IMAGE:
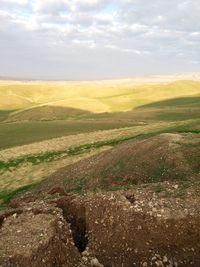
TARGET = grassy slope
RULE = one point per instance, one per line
(130, 103)
(94, 97)
(13, 134)
(175, 105)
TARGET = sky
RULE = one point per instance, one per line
(98, 39)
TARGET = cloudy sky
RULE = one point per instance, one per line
(98, 39)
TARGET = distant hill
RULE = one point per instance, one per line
(97, 97)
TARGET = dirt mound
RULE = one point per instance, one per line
(125, 228)
(154, 159)
(123, 234)
(152, 224)
(37, 238)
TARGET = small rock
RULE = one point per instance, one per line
(159, 264)
(96, 263)
(85, 253)
(84, 259)
(165, 259)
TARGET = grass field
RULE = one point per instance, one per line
(94, 97)
(31, 112)
(46, 126)
(20, 133)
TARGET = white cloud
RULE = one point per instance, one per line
(14, 2)
(90, 4)
(50, 6)
(129, 32)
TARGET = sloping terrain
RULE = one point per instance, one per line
(47, 113)
(126, 228)
(58, 109)
(152, 219)
(155, 159)
(92, 97)
(73, 195)
(24, 165)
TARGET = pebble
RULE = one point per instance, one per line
(165, 259)
(96, 263)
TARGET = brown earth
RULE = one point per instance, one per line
(37, 238)
(155, 159)
(151, 224)
(126, 228)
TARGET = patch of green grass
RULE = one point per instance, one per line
(84, 184)
(177, 114)
(159, 102)
(50, 156)
(77, 185)
(51, 211)
(167, 171)
(188, 145)
(191, 101)
(4, 114)
(178, 193)
(158, 188)
(120, 187)
(21, 133)
(7, 196)
(54, 155)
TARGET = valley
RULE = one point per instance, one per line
(113, 165)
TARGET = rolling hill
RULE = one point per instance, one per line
(92, 97)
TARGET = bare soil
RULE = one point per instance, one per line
(137, 227)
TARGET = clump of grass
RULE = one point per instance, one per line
(167, 171)
(188, 145)
(51, 211)
(7, 196)
(82, 184)
(50, 156)
(158, 188)
(194, 131)
(180, 193)
(120, 187)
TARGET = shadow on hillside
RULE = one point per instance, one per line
(174, 102)
(173, 109)
(47, 113)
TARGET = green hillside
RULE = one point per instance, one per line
(31, 112)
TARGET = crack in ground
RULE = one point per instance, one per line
(130, 198)
(74, 214)
(8, 214)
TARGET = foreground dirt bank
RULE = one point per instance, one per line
(126, 228)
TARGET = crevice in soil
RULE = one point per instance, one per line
(8, 214)
(1, 220)
(130, 198)
(74, 214)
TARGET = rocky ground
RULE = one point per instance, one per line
(150, 224)
(138, 227)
